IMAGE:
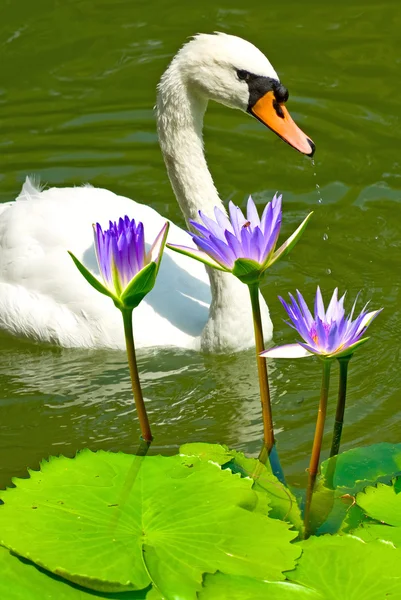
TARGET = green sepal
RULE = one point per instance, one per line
(350, 350)
(92, 279)
(139, 286)
(248, 271)
(290, 243)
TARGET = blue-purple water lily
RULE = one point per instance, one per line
(329, 333)
(128, 271)
(239, 244)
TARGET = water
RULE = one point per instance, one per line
(77, 91)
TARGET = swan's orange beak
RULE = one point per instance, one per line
(278, 119)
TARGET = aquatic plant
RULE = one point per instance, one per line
(328, 334)
(129, 274)
(207, 523)
(245, 246)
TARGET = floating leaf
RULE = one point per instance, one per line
(353, 519)
(345, 567)
(21, 580)
(381, 503)
(116, 521)
(229, 587)
(282, 504)
(358, 467)
(349, 473)
(371, 532)
(218, 453)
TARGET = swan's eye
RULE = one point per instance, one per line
(243, 75)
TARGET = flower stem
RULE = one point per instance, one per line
(317, 444)
(268, 434)
(342, 392)
(136, 386)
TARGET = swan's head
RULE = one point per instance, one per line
(232, 71)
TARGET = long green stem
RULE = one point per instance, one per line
(317, 444)
(342, 392)
(136, 386)
(268, 434)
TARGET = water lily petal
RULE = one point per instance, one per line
(319, 304)
(286, 351)
(222, 220)
(156, 251)
(367, 319)
(199, 228)
(252, 213)
(234, 244)
(328, 334)
(212, 226)
(237, 219)
(305, 310)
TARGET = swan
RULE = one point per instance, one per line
(45, 299)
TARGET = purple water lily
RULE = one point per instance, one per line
(329, 333)
(121, 253)
(242, 245)
(128, 271)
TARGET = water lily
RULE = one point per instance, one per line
(328, 333)
(246, 246)
(128, 273)
(239, 244)
(127, 270)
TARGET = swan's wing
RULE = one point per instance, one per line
(41, 287)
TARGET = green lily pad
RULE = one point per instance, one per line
(358, 467)
(218, 453)
(347, 474)
(229, 587)
(22, 580)
(375, 531)
(381, 503)
(282, 503)
(354, 518)
(345, 567)
(114, 521)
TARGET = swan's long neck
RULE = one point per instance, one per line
(180, 115)
(180, 122)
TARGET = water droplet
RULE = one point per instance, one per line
(325, 237)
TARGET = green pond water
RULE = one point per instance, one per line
(77, 87)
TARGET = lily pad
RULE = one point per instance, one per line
(114, 521)
(382, 503)
(347, 474)
(358, 467)
(22, 580)
(346, 567)
(229, 587)
(282, 503)
(218, 453)
(375, 531)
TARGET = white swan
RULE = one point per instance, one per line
(42, 295)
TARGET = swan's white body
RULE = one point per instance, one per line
(42, 295)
